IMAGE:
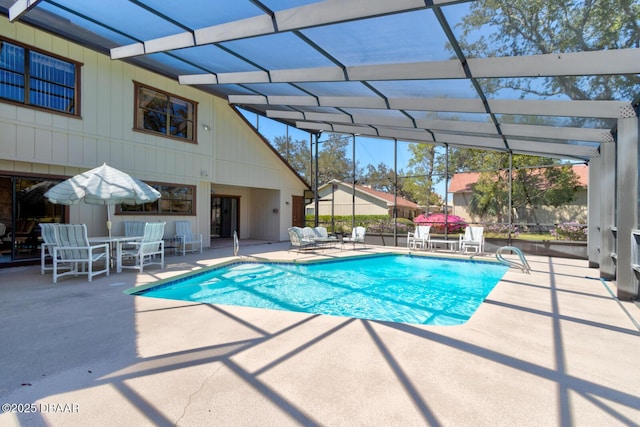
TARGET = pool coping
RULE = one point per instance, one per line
(138, 290)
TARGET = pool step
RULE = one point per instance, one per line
(523, 265)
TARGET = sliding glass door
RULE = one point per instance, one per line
(224, 216)
(22, 208)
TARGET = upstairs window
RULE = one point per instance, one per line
(33, 78)
(163, 113)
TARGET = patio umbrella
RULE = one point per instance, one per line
(103, 185)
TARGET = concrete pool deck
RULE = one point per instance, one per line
(550, 348)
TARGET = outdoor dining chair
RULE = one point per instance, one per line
(148, 249)
(48, 234)
(74, 253)
(186, 240)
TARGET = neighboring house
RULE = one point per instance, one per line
(338, 198)
(65, 108)
(461, 188)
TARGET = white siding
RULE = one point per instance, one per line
(231, 153)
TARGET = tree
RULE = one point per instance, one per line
(527, 27)
(332, 158)
(333, 162)
(550, 185)
(296, 153)
(422, 173)
(382, 178)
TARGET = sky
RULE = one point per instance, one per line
(368, 150)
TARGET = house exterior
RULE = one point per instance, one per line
(65, 109)
(337, 198)
(461, 188)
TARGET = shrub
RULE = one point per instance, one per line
(501, 230)
(386, 227)
(570, 231)
(455, 224)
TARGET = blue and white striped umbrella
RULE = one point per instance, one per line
(103, 185)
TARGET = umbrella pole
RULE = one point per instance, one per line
(109, 221)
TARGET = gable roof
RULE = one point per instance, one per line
(381, 195)
(463, 182)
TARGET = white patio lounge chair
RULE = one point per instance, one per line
(419, 239)
(186, 240)
(357, 236)
(145, 251)
(74, 253)
(298, 240)
(473, 239)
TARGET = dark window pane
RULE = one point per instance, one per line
(11, 86)
(181, 108)
(156, 121)
(52, 69)
(49, 95)
(12, 57)
(181, 128)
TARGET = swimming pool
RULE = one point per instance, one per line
(396, 288)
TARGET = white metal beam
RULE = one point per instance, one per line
(603, 62)
(470, 140)
(522, 146)
(287, 115)
(555, 132)
(20, 7)
(455, 105)
(594, 109)
(169, 43)
(581, 108)
(297, 18)
(314, 126)
(548, 148)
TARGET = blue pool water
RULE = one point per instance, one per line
(396, 288)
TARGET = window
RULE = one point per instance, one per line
(175, 200)
(33, 78)
(163, 113)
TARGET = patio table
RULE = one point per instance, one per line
(116, 241)
(326, 242)
(452, 245)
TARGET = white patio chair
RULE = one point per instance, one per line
(184, 238)
(419, 239)
(473, 239)
(145, 251)
(133, 228)
(357, 236)
(48, 234)
(74, 253)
